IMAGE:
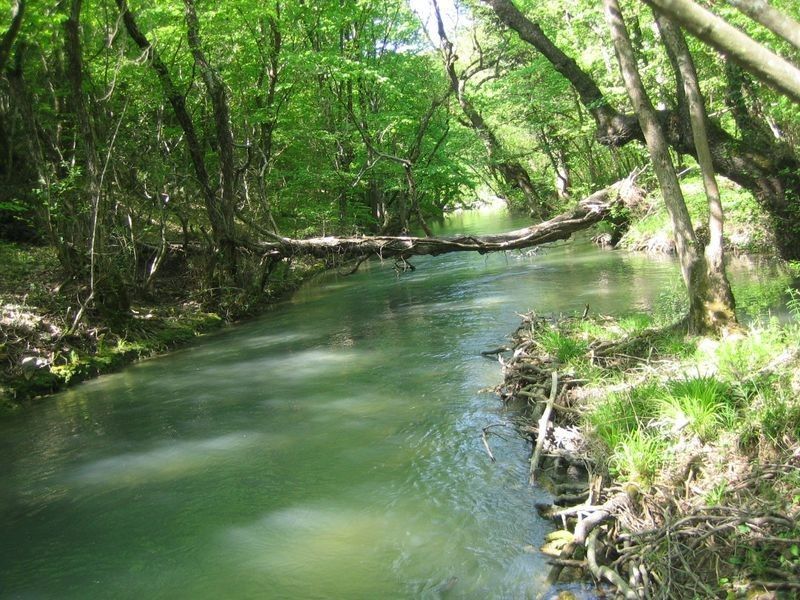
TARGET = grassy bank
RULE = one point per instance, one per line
(675, 460)
(747, 228)
(43, 349)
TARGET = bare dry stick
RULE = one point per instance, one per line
(486, 445)
(537, 453)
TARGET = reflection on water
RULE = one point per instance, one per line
(330, 449)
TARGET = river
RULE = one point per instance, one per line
(329, 449)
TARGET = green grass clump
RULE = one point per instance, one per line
(770, 412)
(562, 347)
(638, 457)
(702, 403)
(624, 413)
(591, 328)
(739, 358)
(635, 324)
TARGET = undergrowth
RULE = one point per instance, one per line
(44, 347)
(701, 435)
(745, 231)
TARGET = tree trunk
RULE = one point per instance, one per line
(21, 99)
(106, 289)
(91, 161)
(719, 300)
(589, 211)
(691, 259)
(7, 41)
(614, 128)
(774, 20)
(223, 220)
(269, 103)
(220, 219)
(767, 66)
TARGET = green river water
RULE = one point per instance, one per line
(330, 449)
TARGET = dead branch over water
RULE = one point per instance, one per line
(586, 213)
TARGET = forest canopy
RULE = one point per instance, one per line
(138, 135)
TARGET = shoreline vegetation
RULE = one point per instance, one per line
(674, 460)
(45, 349)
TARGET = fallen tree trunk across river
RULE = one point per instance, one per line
(586, 213)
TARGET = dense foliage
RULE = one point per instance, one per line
(146, 138)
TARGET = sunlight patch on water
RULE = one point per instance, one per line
(366, 405)
(272, 340)
(306, 365)
(489, 300)
(427, 550)
(173, 459)
(303, 544)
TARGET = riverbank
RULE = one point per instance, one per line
(675, 460)
(44, 350)
(747, 229)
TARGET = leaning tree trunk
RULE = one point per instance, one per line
(766, 65)
(719, 300)
(510, 171)
(691, 259)
(586, 213)
(777, 22)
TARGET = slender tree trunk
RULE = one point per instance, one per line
(558, 160)
(215, 87)
(271, 32)
(21, 99)
(91, 161)
(219, 216)
(7, 41)
(719, 300)
(686, 244)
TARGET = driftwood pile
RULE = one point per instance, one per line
(663, 542)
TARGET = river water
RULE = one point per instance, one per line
(330, 449)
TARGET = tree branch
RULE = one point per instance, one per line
(716, 32)
(17, 12)
(586, 213)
